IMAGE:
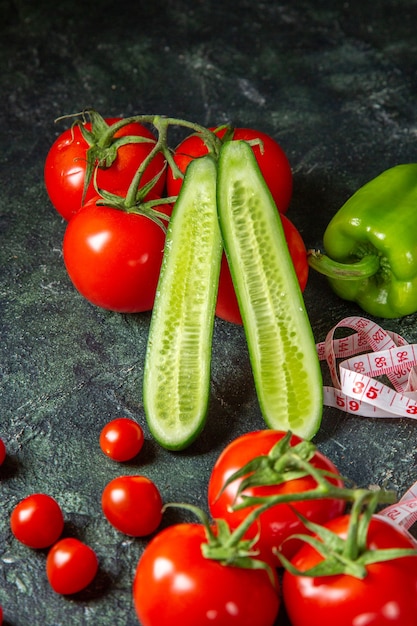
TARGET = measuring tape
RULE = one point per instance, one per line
(364, 355)
(404, 512)
(355, 388)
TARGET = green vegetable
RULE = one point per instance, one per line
(371, 245)
(177, 364)
(280, 340)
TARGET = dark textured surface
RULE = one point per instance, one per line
(334, 83)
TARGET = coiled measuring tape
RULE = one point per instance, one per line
(364, 356)
(369, 353)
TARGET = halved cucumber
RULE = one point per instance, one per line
(280, 341)
(178, 358)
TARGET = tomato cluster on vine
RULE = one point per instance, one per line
(115, 182)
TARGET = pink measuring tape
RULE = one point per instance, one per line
(364, 355)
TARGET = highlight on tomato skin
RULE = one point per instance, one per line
(121, 439)
(37, 521)
(385, 597)
(71, 565)
(278, 523)
(113, 258)
(132, 504)
(65, 167)
(271, 158)
(175, 584)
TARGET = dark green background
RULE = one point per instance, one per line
(334, 83)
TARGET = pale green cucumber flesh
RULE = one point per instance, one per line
(176, 385)
(281, 345)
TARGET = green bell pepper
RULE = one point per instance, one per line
(371, 245)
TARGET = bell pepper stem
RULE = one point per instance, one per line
(366, 267)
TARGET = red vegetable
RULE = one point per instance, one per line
(37, 521)
(66, 165)
(280, 521)
(133, 505)
(121, 439)
(71, 566)
(386, 596)
(114, 257)
(175, 584)
(271, 159)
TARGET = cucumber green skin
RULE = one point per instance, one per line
(280, 340)
(176, 385)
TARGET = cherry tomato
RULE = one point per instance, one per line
(114, 258)
(2, 452)
(1, 616)
(133, 505)
(65, 167)
(37, 521)
(227, 307)
(279, 522)
(121, 439)
(175, 584)
(387, 596)
(271, 159)
(71, 566)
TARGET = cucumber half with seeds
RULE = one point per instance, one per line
(176, 385)
(281, 345)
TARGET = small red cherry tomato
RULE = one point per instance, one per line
(2, 452)
(114, 258)
(121, 439)
(133, 505)
(65, 167)
(37, 521)
(71, 566)
(277, 523)
(227, 307)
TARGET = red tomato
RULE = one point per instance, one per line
(1, 616)
(280, 521)
(133, 505)
(71, 566)
(271, 159)
(37, 521)
(114, 258)
(227, 307)
(175, 584)
(387, 596)
(121, 439)
(2, 452)
(65, 167)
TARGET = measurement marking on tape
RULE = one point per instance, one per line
(365, 355)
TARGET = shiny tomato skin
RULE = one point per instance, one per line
(280, 521)
(271, 158)
(175, 584)
(387, 596)
(37, 521)
(133, 505)
(71, 565)
(121, 439)
(227, 307)
(113, 258)
(65, 167)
